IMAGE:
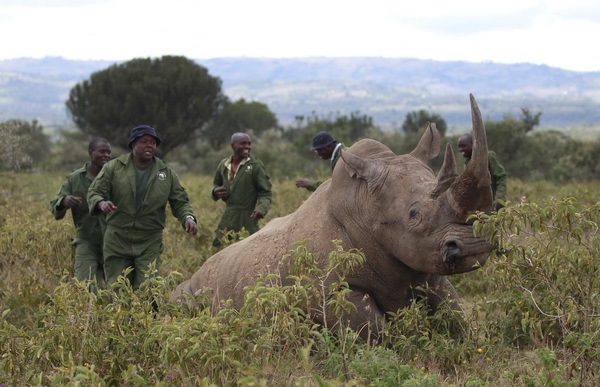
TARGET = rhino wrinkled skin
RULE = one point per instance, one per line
(410, 224)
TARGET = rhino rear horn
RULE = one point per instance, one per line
(429, 144)
(447, 174)
(471, 191)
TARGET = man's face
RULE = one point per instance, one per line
(465, 147)
(325, 153)
(144, 147)
(241, 147)
(100, 155)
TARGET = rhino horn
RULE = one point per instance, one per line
(447, 174)
(429, 144)
(471, 191)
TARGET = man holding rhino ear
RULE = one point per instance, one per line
(327, 148)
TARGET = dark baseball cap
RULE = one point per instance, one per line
(321, 140)
(141, 130)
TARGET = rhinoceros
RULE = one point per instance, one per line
(411, 226)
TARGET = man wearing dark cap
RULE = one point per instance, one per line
(327, 148)
(132, 191)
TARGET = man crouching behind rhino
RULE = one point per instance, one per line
(411, 225)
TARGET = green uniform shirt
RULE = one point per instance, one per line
(87, 227)
(116, 182)
(498, 174)
(313, 185)
(250, 190)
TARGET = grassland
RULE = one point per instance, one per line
(531, 314)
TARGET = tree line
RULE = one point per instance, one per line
(193, 115)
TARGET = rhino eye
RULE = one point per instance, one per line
(413, 214)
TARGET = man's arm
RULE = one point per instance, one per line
(218, 191)
(308, 184)
(99, 192)
(181, 206)
(56, 205)
(500, 177)
(263, 188)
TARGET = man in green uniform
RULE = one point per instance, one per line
(242, 182)
(327, 148)
(89, 263)
(497, 172)
(133, 191)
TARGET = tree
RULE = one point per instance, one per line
(523, 155)
(346, 129)
(530, 121)
(416, 122)
(173, 94)
(69, 151)
(354, 127)
(239, 116)
(22, 144)
(12, 155)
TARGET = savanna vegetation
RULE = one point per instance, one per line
(531, 314)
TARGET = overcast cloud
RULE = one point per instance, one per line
(558, 33)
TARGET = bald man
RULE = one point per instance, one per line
(242, 182)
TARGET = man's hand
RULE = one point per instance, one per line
(107, 207)
(220, 192)
(301, 183)
(71, 201)
(256, 215)
(190, 226)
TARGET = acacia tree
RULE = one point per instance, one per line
(530, 121)
(172, 93)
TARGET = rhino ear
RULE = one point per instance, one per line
(371, 170)
(429, 144)
(447, 174)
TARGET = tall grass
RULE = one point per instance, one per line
(531, 315)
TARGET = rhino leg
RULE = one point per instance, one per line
(182, 290)
(442, 292)
(366, 319)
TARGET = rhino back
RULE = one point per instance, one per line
(226, 274)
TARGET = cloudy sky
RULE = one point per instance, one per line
(558, 33)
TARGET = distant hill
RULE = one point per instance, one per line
(384, 88)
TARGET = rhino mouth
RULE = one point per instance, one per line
(460, 257)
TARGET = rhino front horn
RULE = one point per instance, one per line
(472, 191)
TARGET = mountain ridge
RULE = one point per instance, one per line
(384, 88)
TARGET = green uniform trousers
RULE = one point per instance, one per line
(124, 248)
(234, 219)
(89, 263)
